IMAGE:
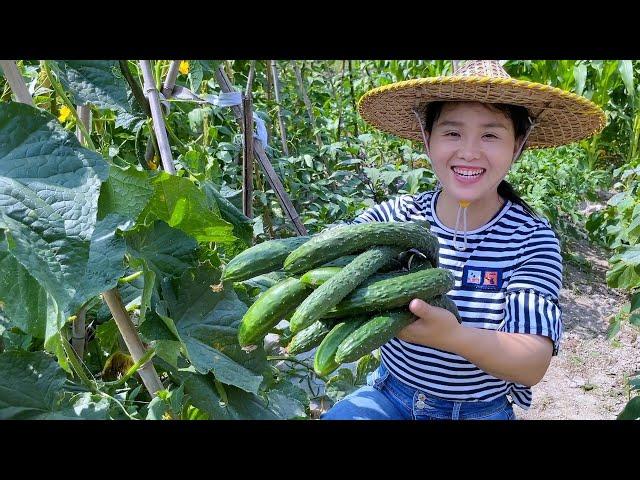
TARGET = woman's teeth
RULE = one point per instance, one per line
(468, 172)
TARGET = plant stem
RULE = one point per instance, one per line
(299, 362)
(60, 91)
(77, 367)
(135, 87)
(131, 277)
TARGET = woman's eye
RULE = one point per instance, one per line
(452, 134)
(491, 135)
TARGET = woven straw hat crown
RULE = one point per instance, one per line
(560, 117)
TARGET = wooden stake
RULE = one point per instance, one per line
(247, 163)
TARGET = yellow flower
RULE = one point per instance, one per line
(64, 114)
(184, 67)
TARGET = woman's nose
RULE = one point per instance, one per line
(470, 150)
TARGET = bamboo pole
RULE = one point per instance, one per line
(167, 90)
(276, 88)
(263, 160)
(78, 333)
(16, 82)
(158, 120)
(172, 76)
(125, 325)
(132, 340)
(307, 103)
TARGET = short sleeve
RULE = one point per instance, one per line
(532, 295)
(395, 210)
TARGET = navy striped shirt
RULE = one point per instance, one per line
(508, 279)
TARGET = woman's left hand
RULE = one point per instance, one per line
(435, 327)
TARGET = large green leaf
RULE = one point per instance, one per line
(241, 405)
(31, 387)
(242, 225)
(182, 205)
(96, 82)
(106, 255)
(166, 403)
(167, 251)
(287, 401)
(624, 269)
(127, 191)
(49, 188)
(631, 410)
(625, 68)
(207, 324)
(341, 385)
(22, 299)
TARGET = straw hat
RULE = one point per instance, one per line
(560, 117)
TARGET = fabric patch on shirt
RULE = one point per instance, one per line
(482, 278)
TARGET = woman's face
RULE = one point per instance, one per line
(472, 148)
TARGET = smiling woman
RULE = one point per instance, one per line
(508, 270)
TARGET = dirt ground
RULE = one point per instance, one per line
(586, 381)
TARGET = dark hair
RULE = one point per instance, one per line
(520, 118)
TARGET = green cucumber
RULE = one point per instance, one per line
(262, 258)
(372, 334)
(270, 307)
(329, 294)
(395, 292)
(382, 328)
(324, 361)
(343, 240)
(316, 277)
(340, 262)
(310, 337)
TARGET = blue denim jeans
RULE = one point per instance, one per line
(387, 398)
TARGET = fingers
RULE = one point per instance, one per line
(420, 308)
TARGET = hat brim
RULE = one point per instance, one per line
(561, 117)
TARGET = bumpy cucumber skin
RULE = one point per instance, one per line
(372, 334)
(395, 292)
(329, 294)
(270, 307)
(309, 338)
(382, 328)
(316, 277)
(324, 361)
(262, 258)
(347, 239)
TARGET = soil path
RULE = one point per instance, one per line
(586, 381)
